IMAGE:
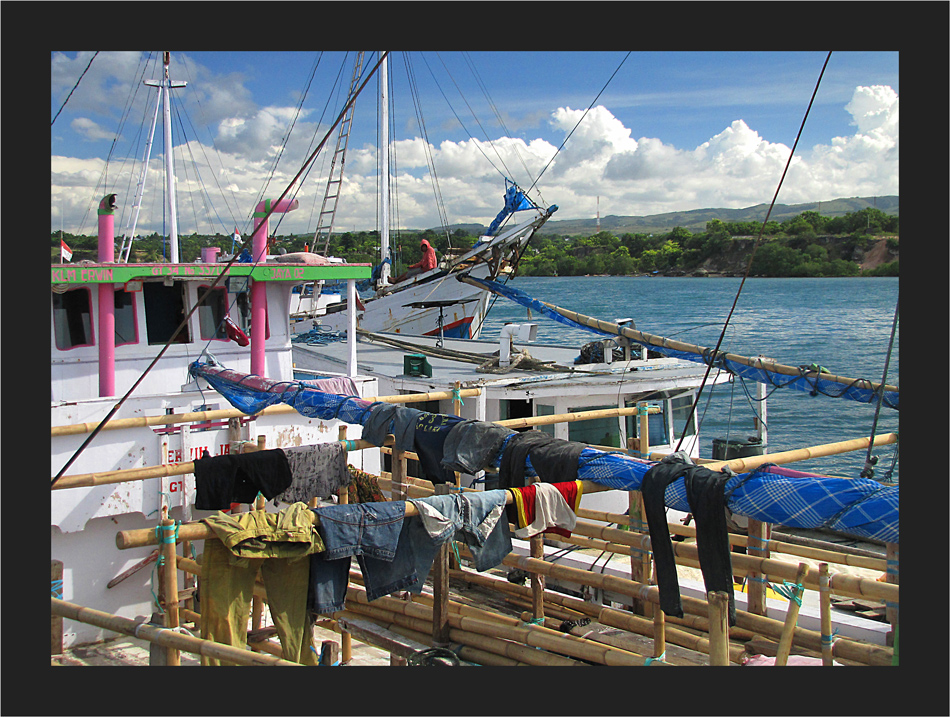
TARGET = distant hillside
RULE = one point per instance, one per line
(695, 220)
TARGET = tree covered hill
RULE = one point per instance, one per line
(863, 242)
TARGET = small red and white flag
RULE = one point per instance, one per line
(64, 251)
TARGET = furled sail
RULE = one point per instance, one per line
(812, 378)
(860, 507)
(515, 201)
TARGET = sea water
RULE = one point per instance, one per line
(842, 324)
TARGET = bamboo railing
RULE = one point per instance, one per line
(493, 639)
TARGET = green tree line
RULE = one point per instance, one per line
(795, 247)
(798, 246)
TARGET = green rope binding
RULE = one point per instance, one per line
(791, 591)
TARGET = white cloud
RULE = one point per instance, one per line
(736, 167)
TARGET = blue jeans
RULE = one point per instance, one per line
(376, 534)
(475, 517)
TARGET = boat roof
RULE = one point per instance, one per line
(120, 273)
(377, 357)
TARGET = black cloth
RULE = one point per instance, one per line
(431, 430)
(471, 445)
(704, 491)
(385, 418)
(222, 480)
(553, 459)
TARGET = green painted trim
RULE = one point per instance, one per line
(121, 273)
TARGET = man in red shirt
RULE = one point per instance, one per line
(428, 261)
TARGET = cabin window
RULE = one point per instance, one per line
(542, 409)
(164, 312)
(72, 319)
(681, 406)
(658, 434)
(211, 312)
(596, 432)
(126, 330)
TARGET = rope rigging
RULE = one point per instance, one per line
(758, 240)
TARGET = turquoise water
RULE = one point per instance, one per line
(842, 324)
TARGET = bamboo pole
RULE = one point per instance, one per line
(569, 417)
(56, 621)
(640, 560)
(663, 342)
(440, 587)
(72, 429)
(824, 597)
(758, 536)
(168, 572)
(791, 617)
(718, 628)
(742, 465)
(162, 636)
(346, 639)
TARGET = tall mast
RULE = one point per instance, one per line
(140, 189)
(166, 84)
(384, 170)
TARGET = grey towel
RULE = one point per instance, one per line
(318, 471)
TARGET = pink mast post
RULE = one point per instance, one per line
(258, 289)
(106, 255)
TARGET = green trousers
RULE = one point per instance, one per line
(228, 576)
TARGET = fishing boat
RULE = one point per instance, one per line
(203, 360)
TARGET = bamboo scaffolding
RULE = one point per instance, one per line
(163, 636)
(531, 635)
(718, 628)
(517, 654)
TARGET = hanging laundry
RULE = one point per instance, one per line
(289, 533)
(547, 508)
(472, 445)
(318, 471)
(277, 546)
(222, 480)
(376, 534)
(431, 431)
(364, 487)
(704, 490)
(339, 385)
(477, 518)
(385, 418)
(553, 460)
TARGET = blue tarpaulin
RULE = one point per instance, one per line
(515, 201)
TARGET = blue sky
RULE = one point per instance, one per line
(671, 131)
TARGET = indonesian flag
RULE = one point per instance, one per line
(64, 251)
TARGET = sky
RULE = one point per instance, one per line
(619, 133)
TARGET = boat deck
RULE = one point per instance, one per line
(553, 367)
